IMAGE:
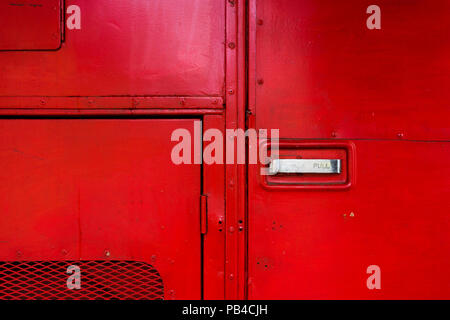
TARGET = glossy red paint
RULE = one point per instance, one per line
(85, 145)
(127, 103)
(78, 190)
(214, 240)
(317, 244)
(127, 48)
(320, 76)
(344, 151)
(235, 175)
(132, 61)
(30, 25)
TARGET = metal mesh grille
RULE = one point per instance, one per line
(100, 280)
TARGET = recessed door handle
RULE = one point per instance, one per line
(305, 166)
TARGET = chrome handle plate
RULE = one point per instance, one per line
(305, 166)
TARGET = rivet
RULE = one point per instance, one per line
(231, 2)
(260, 81)
(64, 252)
(43, 101)
(107, 253)
(400, 135)
(231, 229)
(333, 134)
(231, 276)
(230, 91)
(231, 45)
(260, 22)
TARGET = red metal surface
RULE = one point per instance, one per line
(101, 280)
(140, 58)
(214, 239)
(316, 72)
(110, 112)
(127, 48)
(325, 74)
(308, 245)
(30, 25)
(235, 192)
(106, 189)
(101, 190)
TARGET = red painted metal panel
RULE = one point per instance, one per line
(235, 175)
(214, 239)
(134, 58)
(318, 244)
(102, 112)
(100, 190)
(30, 25)
(322, 73)
(316, 72)
(173, 47)
(129, 103)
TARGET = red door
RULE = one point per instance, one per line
(102, 194)
(377, 100)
